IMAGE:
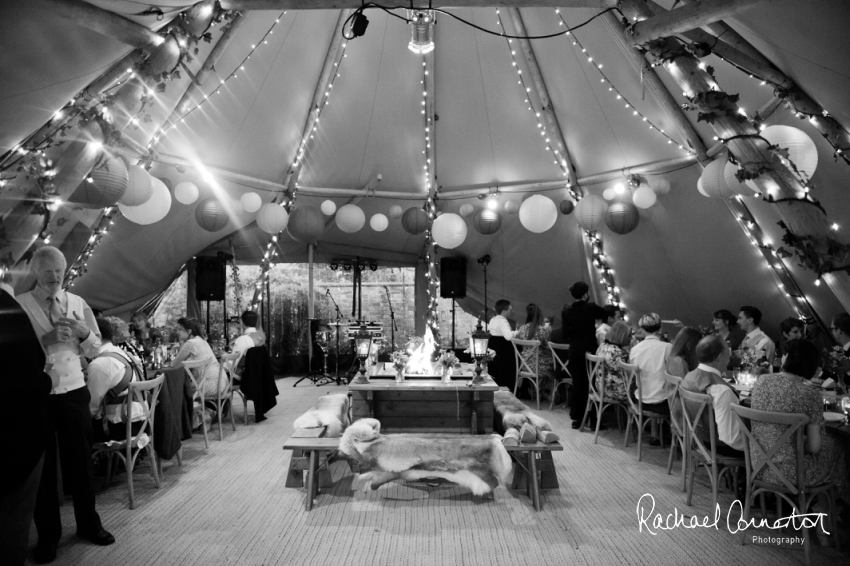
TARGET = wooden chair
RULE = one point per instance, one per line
(234, 388)
(677, 429)
(525, 371)
(636, 413)
(596, 392)
(698, 411)
(188, 366)
(759, 458)
(559, 362)
(145, 393)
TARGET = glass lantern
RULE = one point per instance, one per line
(363, 345)
(478, 344)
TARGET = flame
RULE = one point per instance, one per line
(420, 358)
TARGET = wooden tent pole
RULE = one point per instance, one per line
(801, 217)
(105, 22)
(539, 86)
(418, 5)
(431, 114)
(688, 17)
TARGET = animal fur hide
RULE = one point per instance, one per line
(330, 411)
(514, 413)
(475, 462)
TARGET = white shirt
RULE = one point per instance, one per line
(240, 346)
(845, 346)
(104, 373)
(601, 332)
(729, 428)
(650, 356)
(499, 326)
(758, 341)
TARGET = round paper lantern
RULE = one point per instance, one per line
(487, 221)
(211, 215)
(379, 222)
(140, 187)
(567, 206)
(186, 192)
(801, 149)
(733, 183)
(622, 217)
(466, 210)
(590, 212)
(660, 185)
(713, 183)
(251, 202)
(306, 225)
(350, 218)
(609, 194)
(109, 180)
(328, 207)
(449, 230)
(396, 211)
(197, 19)
(644, 197)
(538, 214)
(511, 207)
(167, 182)
(414, 220)
(152, 211)
(700, 188)
(165, 58)
(272, 218)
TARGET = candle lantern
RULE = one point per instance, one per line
(363, 344)
(478, 342)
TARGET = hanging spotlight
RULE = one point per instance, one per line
(422, 35)
(359, 25)
(334, 266)
(373, 266)
(346, 266)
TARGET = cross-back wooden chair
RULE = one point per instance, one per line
(236, 387)
(596, 398)
(677, 428)
(760, 457)
(523, 369)
(635, 410)
(146, 394)
(188, 366)
(698, 414)
(560, 362)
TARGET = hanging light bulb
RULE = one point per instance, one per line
(422, 34)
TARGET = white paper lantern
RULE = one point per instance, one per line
(396, 211)
(186, 192)
(700, 189)
(660, 185)
(350, 218)
(644, 197)
(140, 188)
(306, 225)
(152, 211)
(449, 230)
(466, 210)
(802, 151)
(328, 207)
(609, 194)
(379, 222)
(251, 202)
(713, 181)
(511, 207)
(590, 212)
(272, 218)
(733, 183)
(538, 214)
(104, 186)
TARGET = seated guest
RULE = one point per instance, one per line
(650, 356)
(683, 352)
(841, 331)
(613, 315)
(196, 348)
(756, 340)
(726, 326)
(142, 341)
(249, 338)
(791, 328)
(615, 349)
(713, 356)
(534, 329)
(503, 367)
(108, 377)
(784, 392)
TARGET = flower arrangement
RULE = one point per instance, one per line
(752, 359)
(447, 359)
(400, 360)
(837, 362)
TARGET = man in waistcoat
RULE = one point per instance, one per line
(67, 330)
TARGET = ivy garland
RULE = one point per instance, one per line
(820, 254)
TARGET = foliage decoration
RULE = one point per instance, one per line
(820, 254)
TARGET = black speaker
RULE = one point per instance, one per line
(210, 278)
(453, 277)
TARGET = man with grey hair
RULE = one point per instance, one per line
(67, 330)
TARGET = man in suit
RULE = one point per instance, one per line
(756, 340)
(67, 330)
(578, 324)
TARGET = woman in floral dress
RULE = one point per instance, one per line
(196, 348)
(613, 350)
(535, 329)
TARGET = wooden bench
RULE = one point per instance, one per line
(317, 449)
(526, 473)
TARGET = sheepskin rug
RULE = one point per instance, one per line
(330, 411)
(514, 413)
(478, 463)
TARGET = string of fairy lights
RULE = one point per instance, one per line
(80, 265)
(431, 273)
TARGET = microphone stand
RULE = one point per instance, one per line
(338, 318)
(392, 319)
